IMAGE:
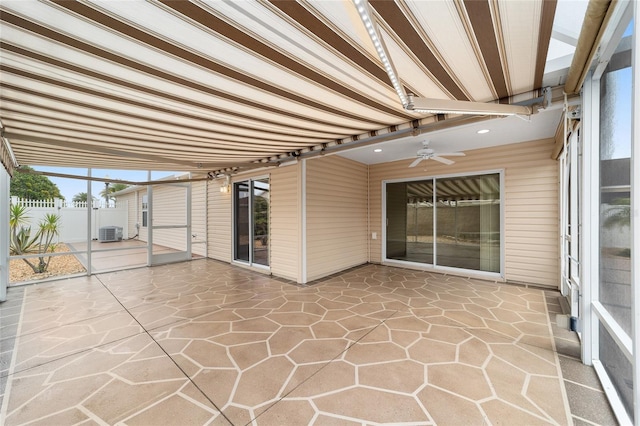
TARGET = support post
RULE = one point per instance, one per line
(4, 233)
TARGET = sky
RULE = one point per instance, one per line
(71, 187)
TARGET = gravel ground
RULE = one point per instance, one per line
(60, 265)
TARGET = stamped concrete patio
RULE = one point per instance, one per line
(204, 342)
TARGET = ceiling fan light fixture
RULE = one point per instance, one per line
(428, 153)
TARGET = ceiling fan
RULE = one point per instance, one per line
(426, 153)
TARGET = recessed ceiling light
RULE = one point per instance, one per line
(483, 131)
(377, 150)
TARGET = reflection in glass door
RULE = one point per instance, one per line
(410, 221)
(260, 240)
(453, 222)
(468, 222)
(251, 207)
(241, 200)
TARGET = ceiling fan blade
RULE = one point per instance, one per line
(443, 160)
(415, 162)
(450, 154)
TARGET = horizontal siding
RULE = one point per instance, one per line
(170, 208)
(130, 201)
(336, 205)
(219, 222)
(530, 204)
(284, 223)
(198, 218)
(532, 256)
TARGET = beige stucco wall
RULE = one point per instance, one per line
(336, 222)
(531, 211)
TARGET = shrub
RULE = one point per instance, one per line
(22, 242)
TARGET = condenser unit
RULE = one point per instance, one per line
(110, 233)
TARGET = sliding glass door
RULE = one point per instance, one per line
(451, 221)
(251, 221)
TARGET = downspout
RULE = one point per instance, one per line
(369, 234)
(303, 220)
(206, 218)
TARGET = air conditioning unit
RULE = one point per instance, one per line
(110, 233)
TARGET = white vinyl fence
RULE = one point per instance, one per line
(73, 217)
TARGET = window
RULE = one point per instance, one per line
(451, 221)
(144, 211)
(251, 214)
(614, 285)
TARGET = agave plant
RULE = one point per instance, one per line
(22, 242)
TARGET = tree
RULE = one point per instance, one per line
(33, 187)
(112, 188)
(81, 197)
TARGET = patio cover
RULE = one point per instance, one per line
(219, 85)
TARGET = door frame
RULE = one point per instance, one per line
(434, 267)
(177, 256)
(234, 221)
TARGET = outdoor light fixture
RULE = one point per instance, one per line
(483, 131)
(412, 103)
(372, 29)
(377, 150)
(288, 163)
(225, 188)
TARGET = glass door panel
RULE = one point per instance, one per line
(420, 222)
(251, 221)
(242, 237)
(261, 221)
(615, 195)
(396, 221)
(468, 222)
(615, 292)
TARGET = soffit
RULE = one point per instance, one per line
(209, 85)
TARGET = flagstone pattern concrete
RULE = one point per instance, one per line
(204, 342)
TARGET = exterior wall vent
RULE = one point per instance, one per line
(110, 233)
